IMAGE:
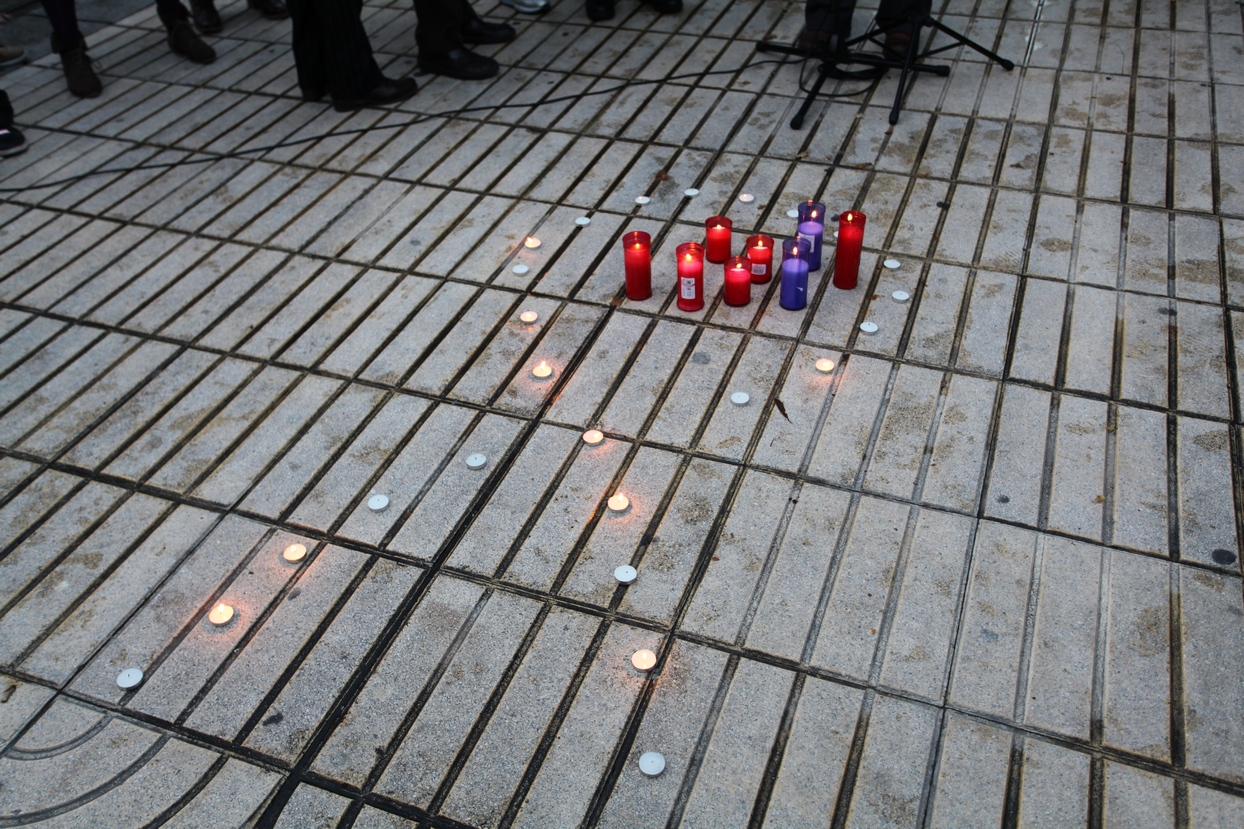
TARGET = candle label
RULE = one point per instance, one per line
(688, 288)
(759, 270)
(807, 238)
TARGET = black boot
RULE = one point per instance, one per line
(600, 9)
(183, 40)
(206, 18)
(79, 75)
(271, 9)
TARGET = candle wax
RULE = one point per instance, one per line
(794, 293)
(850, 244)
(637, 259)
(814, 233)
(738, 285)
(717, 233)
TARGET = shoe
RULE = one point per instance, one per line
(528, 6)
(270, 9)
(206, 18)
(896, 44)
(478, 32)
(459, 63)
(11, 55)
(183, 40)
(79, 75)
(12, 141)
(389, 91)
(600, 10)
(665, 6)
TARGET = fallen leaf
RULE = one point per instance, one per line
(922, 175)
(889, 132)
(863, 165)
(777, 401)
(1100, 499)
(660, 177)
(874, 296)
(1018, 166)
(803, 154)
(716, 558)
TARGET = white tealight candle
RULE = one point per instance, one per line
(543, 371)
(532, 243)
(593, 436)
(529, 316)
(220, 614)
(294, 552)
(619, 502)
(643, 660)
(825, 365)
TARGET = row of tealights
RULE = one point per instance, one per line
(800, 254)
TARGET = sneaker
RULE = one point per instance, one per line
(183, 40)
(528, 6)
(79, 74)
(11, 55)
(12, 141)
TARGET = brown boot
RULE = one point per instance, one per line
(79, 74)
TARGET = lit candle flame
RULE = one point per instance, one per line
(532, 242)
(849, 216)
(220, 614)
(688, 257)
(643, 660)
(814, 214)
(619, 502)
(542, 370)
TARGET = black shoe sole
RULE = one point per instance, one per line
(460, 76)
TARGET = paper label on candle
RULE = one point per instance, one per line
(758, 270)
(688, 288)
(807, 238)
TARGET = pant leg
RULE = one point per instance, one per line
(900, 13)
(170, 10)
(440, 24)
(829, 17)
(331, 49)
(6, 110)
(64, 19)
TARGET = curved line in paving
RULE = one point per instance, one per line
(52, 751)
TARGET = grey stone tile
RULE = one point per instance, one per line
(1090, 350)
(1211, 654)
(1050, 252)
(377, 714)
(613, 543)
(1078, 476)
(581, 397)
(1201, 354)
(453, 354)
(1197, 258)
(858, 592)
(311, 690)
(1213, 809)
(421, 761)
(1055, 786)
(675, 715)
(784, 443)
(730, 427)
(957, 463)
(987, 658)
(1135, 797)
(971, 774)
(1137, 691)
(312, 808)
(844, 438)
(896, 458)
(1206, 519)
(37, 365)
(891, 772)
(234, 697)
(933, 333)
(1146, 335)
(23, 701)
(647, 377)
(679, 540)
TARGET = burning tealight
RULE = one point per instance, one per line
(220, 614)
(892, 264)
(747, 198)
(652, 763)
(825, 365)
(642, 200)
(294, 552)
(643, 660)
(532, 243)
(583, 221)
(593, 436)
(619, 502)
(529, 316)
(900, 296)
(378, 503)
(543, 371)
(129, 678)
(868, 327)
(691, 191)
(625, 574)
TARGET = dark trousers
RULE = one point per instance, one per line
(64, 18)
(440, 25)
(6, 110)
(830, 17)
(331, 49)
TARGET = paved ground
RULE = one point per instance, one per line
(983, 573)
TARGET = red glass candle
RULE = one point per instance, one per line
(738, 290)
(637, 256)
(850, 242)
(718, 230)
(690, 276)
(760, 254)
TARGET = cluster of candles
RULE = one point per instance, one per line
(800, 255)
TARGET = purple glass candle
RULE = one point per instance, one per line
(794, 288)
(812, 228)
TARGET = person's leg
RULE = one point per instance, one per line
(439, 36)
(476, 30)
(331, 48)
(899, 13)
(67, 41)
(308, 48)
(825, 18)
(182, 38)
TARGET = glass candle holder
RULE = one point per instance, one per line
(850, 243)
(717, 231)
(738, 286)
(760, 254)
(794, 287)
(690, 276)
(637, 257)
(812, 228)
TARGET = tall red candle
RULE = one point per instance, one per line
(850, 242)
(738, 290)
(760, 254)
(637, 256)
(718, 229)
(690, 276)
